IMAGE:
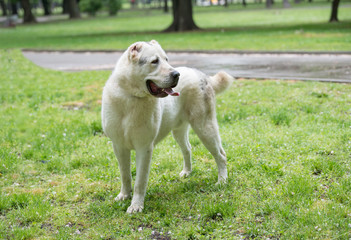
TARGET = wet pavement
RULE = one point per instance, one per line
(330, 67)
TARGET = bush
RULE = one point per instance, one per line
(114, 6)
(90, 6)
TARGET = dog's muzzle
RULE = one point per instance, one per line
(164, 92)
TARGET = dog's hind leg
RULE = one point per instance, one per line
(207, 131)
(123, 157)
(181, 135)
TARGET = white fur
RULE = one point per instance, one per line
(136, 120)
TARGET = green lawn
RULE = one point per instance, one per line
(297, 28)
(288, 142)
(288, 145)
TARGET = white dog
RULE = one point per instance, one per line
(137, 112)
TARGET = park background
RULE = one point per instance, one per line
(288, 142)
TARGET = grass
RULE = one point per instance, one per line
(288, 142)
(288, 145)
(298, 28)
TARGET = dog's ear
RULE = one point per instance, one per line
(134, 50)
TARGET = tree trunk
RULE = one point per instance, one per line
(65, 6)
(166, 6)
(14, 9)
(28, 16)
(182, 16)
(73, 9)
(269, 3)
(225, 3)
(334, 11)
(3, 7)
(47, 7)
(286, 3)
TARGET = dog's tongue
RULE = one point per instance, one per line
(170, 91)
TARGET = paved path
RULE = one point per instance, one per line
(315, 67)
(40, 19)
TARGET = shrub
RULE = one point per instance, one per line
(90, 6)
(113, 6)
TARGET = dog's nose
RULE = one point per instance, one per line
(175, 76)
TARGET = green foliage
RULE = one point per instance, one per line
(93, 6)
(90, 6)
(288, 147)
(113, 6)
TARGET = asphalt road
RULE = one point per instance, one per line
(294, 66)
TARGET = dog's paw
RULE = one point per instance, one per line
(135, 208)
(122, 197)
(221, 181)
(184, 173)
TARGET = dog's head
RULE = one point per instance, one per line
(150, 71)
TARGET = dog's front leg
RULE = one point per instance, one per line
(143, 160)
(123, 157)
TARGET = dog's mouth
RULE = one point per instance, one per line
(160, 92)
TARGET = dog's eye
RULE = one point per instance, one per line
(155, 61)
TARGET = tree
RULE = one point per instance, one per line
(269, 3)
(65, 6)
(182, 16)
(165, 9)
(28, 16)
(3, 7)
(286, 3)
(225, 3)
(334, 11)
(14, 8)
(73, 9)
(90, 6)
(114, 6)
(46, 6)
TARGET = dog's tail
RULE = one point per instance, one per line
(221, 81)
